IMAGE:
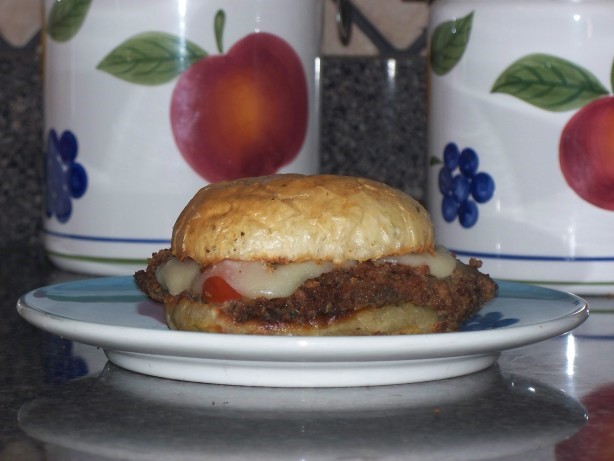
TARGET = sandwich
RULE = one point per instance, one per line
(289, 254)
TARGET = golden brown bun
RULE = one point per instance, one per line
(296, 218)
(189, 315)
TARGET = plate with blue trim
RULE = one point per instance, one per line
(113, 314)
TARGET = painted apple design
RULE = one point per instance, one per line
(243, 113)
(235, 114)
(586, 144)
(586, 152)
(555, 84)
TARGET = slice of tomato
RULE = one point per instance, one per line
(217, 290)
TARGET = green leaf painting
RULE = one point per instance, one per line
(151, 58)
(66, 17)
(549, 82)
(218, 25)
(449, 42)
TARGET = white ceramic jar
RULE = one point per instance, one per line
(521, 138)
(146, 101)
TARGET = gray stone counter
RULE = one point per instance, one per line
(61, 400)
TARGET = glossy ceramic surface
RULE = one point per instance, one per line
(520, 119)
(146, 101)
(389, 422)
(113, 314)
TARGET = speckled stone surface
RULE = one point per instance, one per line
(374, 120)
(21, 126)
(61, 400)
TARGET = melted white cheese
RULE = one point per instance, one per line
(256, 279)
(441, 263)
(175, 276)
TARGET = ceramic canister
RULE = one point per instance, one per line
(146, 101)
(521, 138)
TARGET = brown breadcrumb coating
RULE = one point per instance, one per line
(343, 291)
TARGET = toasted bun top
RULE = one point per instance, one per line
(290, 217)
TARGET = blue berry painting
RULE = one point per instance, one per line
(462, 185)
(488, 321)
(65, 178)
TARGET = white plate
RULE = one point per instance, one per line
(113, 314)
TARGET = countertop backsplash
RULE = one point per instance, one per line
(373, 104)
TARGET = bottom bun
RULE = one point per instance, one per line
(402, 319)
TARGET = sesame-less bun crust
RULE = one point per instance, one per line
(402, 319)
(290, 218)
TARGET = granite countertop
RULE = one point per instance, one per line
(62, 400)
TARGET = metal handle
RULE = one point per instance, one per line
(344, 20)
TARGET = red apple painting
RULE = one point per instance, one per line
(243, 113)
(238, 113)
(587, 152)
(586, 144)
